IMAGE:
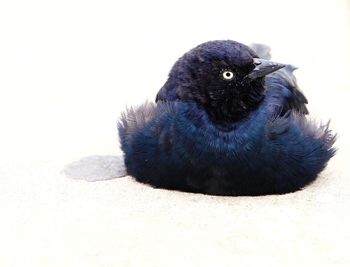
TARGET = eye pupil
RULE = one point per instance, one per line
(228, 75)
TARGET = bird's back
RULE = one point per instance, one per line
(178, 148)
(272, 149)
(284, 81)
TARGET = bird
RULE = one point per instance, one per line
(229, 122)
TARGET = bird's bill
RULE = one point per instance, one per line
(263, 67)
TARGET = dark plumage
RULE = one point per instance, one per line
(226, 123)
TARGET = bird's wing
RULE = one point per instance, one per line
(134, 119)
(284, 83)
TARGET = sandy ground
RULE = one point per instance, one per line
(51, 220)
(64, 82)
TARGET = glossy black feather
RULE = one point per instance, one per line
(225, 137)
(293, 97)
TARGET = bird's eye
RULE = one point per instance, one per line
(227, 75)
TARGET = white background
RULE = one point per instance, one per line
(67, 70)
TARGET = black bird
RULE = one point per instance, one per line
(226, 122)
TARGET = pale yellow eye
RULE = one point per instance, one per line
(227, 75)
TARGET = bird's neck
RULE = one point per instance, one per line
(230, 109)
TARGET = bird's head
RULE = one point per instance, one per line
(225, 77)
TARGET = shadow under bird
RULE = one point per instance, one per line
(226, 122)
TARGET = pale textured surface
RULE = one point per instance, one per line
(50, 220)
(67, 70)
(96, 168)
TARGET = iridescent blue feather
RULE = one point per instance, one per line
(273, 150)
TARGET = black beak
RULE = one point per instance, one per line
(263, 67)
